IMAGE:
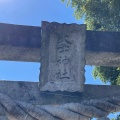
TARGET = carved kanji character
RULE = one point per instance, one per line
(63, 45)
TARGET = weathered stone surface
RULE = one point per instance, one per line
(65, 61)
(102, 58)
(2, 112)
(62, 57)
(103, 48)
(29, 92)
(22, 43)
(20, 35)
(3, 118)
(25, 54)
(103, 41)
(19, 43)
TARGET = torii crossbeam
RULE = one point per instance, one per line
(23, 43)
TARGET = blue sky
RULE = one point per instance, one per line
(32, 12)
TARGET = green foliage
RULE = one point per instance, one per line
(118, 118)
(100, 15)
(107, 74)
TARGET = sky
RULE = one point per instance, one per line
(32, 12)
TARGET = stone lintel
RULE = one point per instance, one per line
(103, 41)
(17, 53)
(102, 58)
(29, 92)
(24, 54)
(103, 48)
(20, 43)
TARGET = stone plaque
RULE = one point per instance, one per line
(63, 57)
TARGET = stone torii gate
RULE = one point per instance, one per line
(63, 51)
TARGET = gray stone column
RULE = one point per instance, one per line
(62, 57)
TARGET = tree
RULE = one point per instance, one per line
(107, 74)
(100, 15)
